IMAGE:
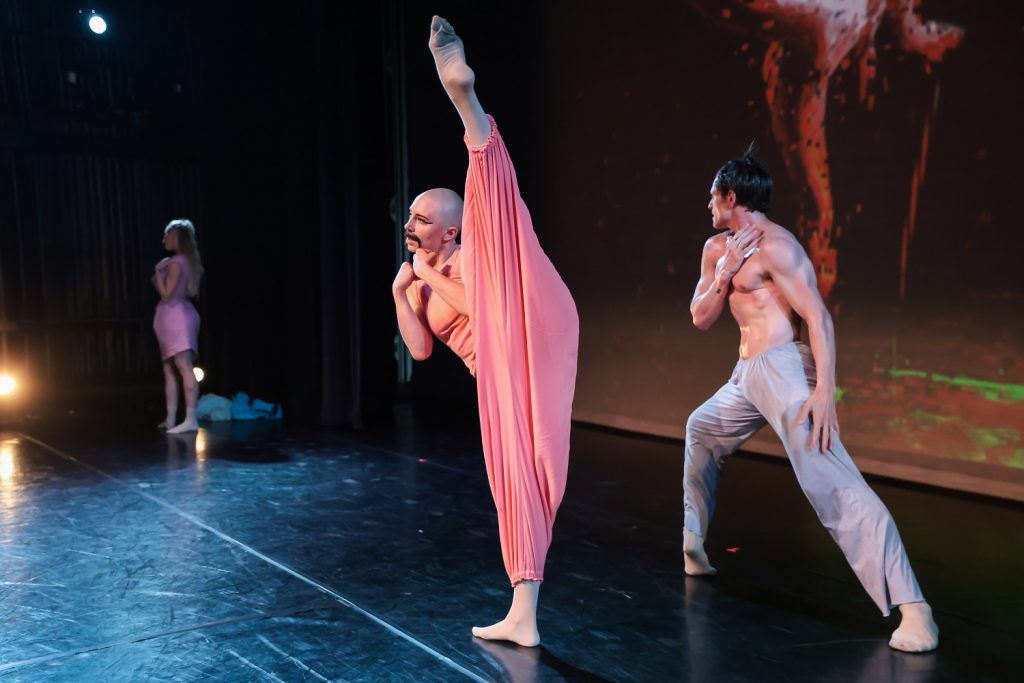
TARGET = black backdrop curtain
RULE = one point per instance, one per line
(267, 128)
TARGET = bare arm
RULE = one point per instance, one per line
(793, 274)
(458, 79)
(716, 273)
(166, 280)
(711, 292)
(414, 331)
(451, 292)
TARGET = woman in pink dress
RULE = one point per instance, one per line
(176, 321)
(499, 303)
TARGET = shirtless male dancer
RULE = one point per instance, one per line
(499, 303)
(764, 274)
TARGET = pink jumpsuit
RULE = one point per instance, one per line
(525, 334)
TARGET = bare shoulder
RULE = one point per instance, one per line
(781, 251)
(714, 247)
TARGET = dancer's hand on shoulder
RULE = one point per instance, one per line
(406, 276)
(738, 248)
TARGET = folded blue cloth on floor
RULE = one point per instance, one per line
(244, 408)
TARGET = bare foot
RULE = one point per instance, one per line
(520, 624)
(163, 425)
(450, 57)
(520, 633)
(695, 560)
(918, 631)
(189, 425)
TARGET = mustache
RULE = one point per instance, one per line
(414, 238)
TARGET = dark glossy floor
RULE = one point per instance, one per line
(255, 553)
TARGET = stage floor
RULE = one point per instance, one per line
(252, 552)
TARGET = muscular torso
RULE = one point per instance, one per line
(764, 316)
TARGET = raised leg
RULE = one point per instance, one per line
(526, 334)
(458, 79)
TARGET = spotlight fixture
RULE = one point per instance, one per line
(198, 372)
(97, 24)
(8, 385)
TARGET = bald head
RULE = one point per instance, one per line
(442, 205)
(435, 219)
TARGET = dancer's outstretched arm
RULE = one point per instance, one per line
(458, 79)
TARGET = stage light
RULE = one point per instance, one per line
(97, 24)
(7, 385)
(198, 372)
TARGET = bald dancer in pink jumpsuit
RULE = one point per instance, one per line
(499, 303)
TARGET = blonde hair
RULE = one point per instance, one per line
(188, 248)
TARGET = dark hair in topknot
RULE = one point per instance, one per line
(751, 181)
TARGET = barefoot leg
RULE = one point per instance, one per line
(520, 625)
(170, 395)
(695, 560)
(183, 362)
(918, 631)
(458, 79)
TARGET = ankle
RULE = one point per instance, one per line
(915, 607)
(459, 87)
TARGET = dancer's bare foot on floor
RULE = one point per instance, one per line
(695, 560)
(450, 57)
(520, 633)
(520, 624)
(918, 631)
(189, 425)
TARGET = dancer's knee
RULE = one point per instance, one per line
(696, 429)
(702, 448)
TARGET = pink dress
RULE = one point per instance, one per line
(524, 334)
(176, 322)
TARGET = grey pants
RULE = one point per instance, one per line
(770, 388)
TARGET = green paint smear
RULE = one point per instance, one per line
(991, 391)
(906, 373)
(1017, 460)
(981, 437)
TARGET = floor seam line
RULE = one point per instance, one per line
(394, 630)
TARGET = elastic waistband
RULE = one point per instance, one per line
(798, 345)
